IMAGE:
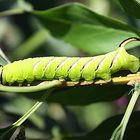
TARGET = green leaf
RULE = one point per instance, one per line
(6, 133)
(85, 29)
(132, 7)
(105, 129)
(14, 107)
(3, 59)
(82, 95)
(96, 40)
(88, 94)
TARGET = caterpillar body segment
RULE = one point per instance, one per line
(75, 71)
(52, 66)
(125, 61)
(62, 69)
(39, 67)
(70, 68)
(92, 66)
(104, 68)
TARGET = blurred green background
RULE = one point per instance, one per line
(22, 36)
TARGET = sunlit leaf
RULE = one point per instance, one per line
(85, 29)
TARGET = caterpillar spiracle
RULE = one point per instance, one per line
(70, 68)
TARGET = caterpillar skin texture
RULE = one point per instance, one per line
(69, 68)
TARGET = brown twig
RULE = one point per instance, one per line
(122, 80)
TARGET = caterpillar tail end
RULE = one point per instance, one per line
(133, 63)
(128, 40)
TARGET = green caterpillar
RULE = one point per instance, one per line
(70, 68)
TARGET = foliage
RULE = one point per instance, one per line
(29, 29)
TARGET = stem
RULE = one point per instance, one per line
(129, 110)
(32, 110)
(36, 106)
(25, 116)
(118, 134)
(31, 88)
